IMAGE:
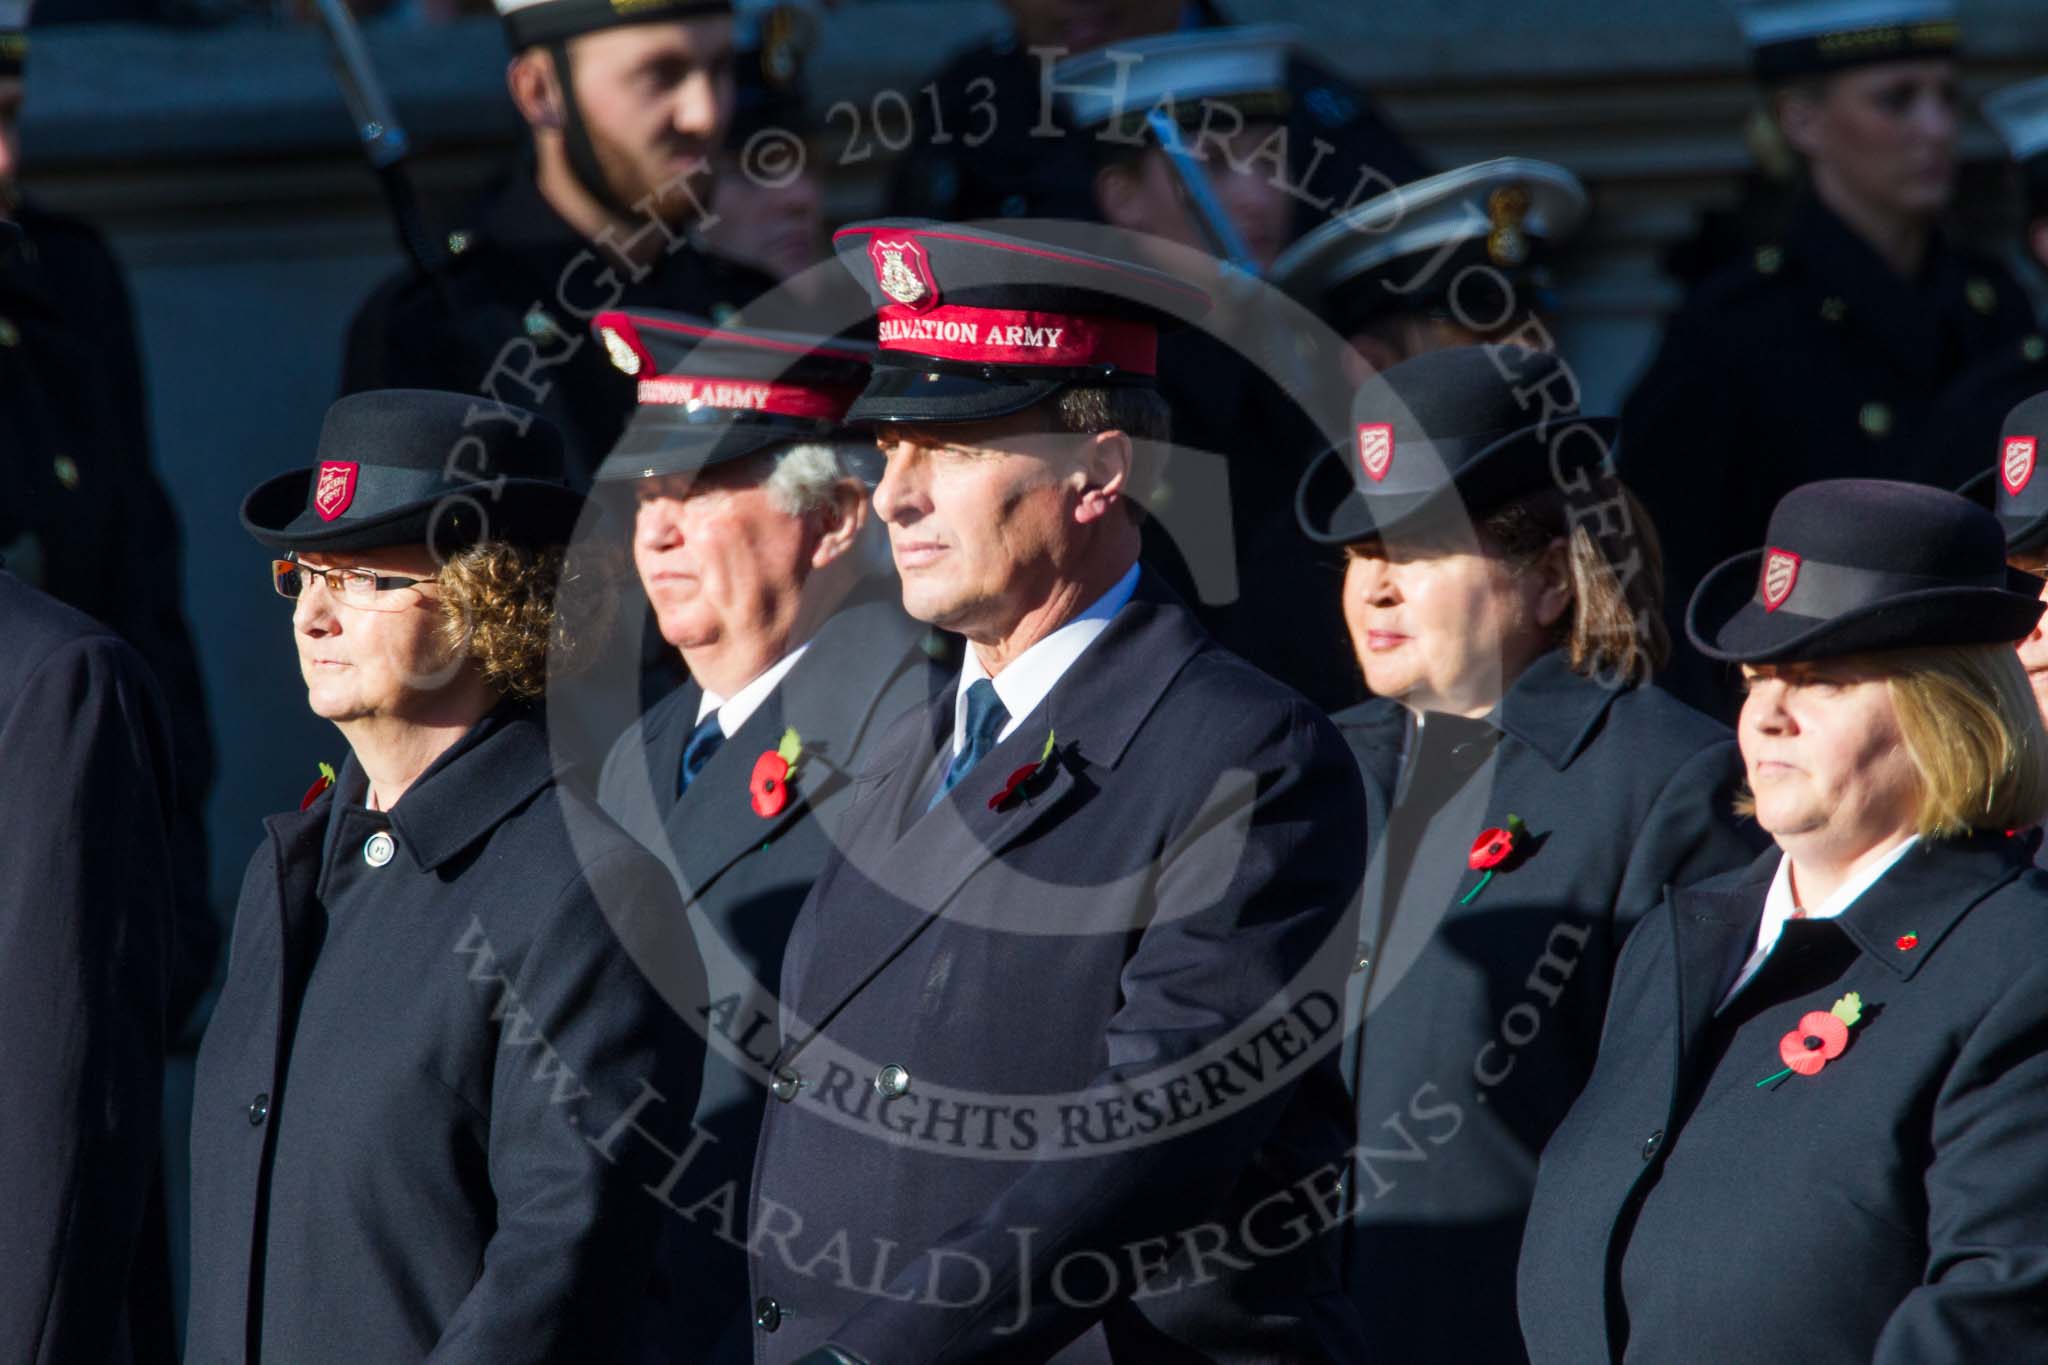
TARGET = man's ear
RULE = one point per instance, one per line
(840, 522)
(1117, 196)
(536, 94)
(2037, 239)
(1105, 472)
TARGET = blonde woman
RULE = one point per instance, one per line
(428, 1030)
(1814, 1130)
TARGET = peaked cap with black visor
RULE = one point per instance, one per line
(710, 394)
(975, 324)
(552, 23)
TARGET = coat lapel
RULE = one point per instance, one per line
(1093, 711)
(1713, 932)
(829, 699)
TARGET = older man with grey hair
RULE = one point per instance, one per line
(752, 538)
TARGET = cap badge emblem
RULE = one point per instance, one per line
(904, 272)
(335, 488)
(624, 358)
(2017, 466)
(1781, 572)
(1506, 242)
(1375, 449)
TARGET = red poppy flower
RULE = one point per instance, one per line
(320, 784)
(1013, 785)
(768, 788)
(1491, 849)
(1818, 1040)
(1906, 943)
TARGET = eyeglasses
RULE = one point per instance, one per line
(357, 587)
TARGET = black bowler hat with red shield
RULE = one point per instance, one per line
(975, 324)
(709, 394)
(2015, 488)
(419, 467)
(1450, 435)
(1852, 566)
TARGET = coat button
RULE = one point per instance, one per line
(785, 1085)
(1364, 958)
(1652, 1143)
(378, 848)
(767, 1314)
(259, 1110)
(891, 1081)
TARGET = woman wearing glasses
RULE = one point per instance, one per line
(422, 1118)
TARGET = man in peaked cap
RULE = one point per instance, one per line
(1001, 162)
(1453, 260)
(627, 106)
(1002, 1125)
(1964, 420)
(1824, 353)
(752, 536)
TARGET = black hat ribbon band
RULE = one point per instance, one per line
(1819, 591)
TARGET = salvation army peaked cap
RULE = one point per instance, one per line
(975, 324)
(419, 467)
(1242, 66)
(2014, 488)
(1793, 38)
(1450, 433)
(1855, 565)
(709, 394)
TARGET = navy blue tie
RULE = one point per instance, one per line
(704, 742)
(985, 720)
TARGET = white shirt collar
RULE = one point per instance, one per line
(1780, 906)
(739, 708)
(1032, 674)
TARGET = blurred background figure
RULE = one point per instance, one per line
(1012, 157)
(1965, 423)
(84, 517)
(1209, 186)
(2015, 487)
(1824, 353)
(770, 204)
(86, 909)
(1453, 260)
(627, 108)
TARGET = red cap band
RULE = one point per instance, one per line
(827, 403)
(1001, 336)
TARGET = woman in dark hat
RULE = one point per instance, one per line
(2015, 488)
(1814, 1131)
(1821, 352)
(1530, 794)
(424, 1093)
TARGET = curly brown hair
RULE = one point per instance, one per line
(519, 609)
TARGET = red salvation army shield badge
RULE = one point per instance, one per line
(1375, 449)
(1781, 572)
(2017, 466)
(335, 488)
(904, 272)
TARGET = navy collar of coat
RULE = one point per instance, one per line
(1924, 894)
(1549, 707)
(494, 769)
